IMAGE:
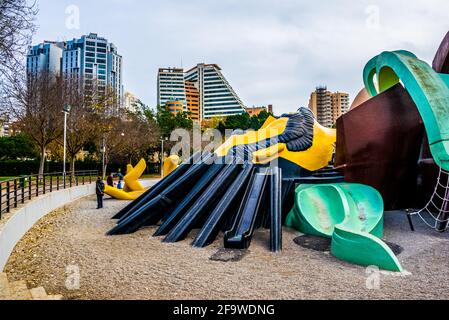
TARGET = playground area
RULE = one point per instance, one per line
(138, 266)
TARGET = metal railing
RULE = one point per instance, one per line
(18, 190)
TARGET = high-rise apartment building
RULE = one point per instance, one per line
(131, 103)
(328, 106)
(97, 62)
(45, 57)
(203, 90)
(217, 97)
(92, 60)
(193, 101)
(171, 86)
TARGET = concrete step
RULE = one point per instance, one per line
(5, 292)
(19, 291)
(39, 294)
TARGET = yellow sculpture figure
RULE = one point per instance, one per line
(133, 188)
(171, 164)
(298, 138)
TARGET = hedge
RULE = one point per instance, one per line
(12, 168)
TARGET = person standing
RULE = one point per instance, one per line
(110, 180)
(100, 192)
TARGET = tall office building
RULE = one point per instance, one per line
(328, 106)
(216, 96)
(97, 62)
(171, 86)
(92, 60)
(193, 100)
(45, 57)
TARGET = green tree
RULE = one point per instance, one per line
(17, 147)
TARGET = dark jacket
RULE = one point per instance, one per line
(110, 181)
(100, 188)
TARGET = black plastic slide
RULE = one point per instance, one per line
(240, 236)
(159, 187)
(203, 204)
(223, 209)
(152, 212)
(276, 210)
(197, 189)
(153, 192)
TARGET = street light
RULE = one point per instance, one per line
(162, 156)
(66, 111)
(103, 151)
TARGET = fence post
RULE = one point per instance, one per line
(30, 186)
(1, 199)
(15, 193)
(37, 185)
(8, 197)
(51, 183)
(44, 185)
(22, 189)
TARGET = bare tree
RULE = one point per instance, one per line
(37, 104)
(89, 105)
(16, 31)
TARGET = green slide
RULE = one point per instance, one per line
(428, 89)
(350, 214)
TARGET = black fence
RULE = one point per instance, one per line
(17, 191)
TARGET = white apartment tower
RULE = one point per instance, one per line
(45, 57)
(171, 86)
(217, 97)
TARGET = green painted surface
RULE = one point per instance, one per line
(350, 214)
(428, 89)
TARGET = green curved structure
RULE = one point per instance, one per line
(351, 215)
(428, 89)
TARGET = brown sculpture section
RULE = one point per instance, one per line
(379, 144)
(441, 61)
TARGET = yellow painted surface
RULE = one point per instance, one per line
(315, 158)
(122, 194)
(273, 129)
(170, 164)
(133, 188)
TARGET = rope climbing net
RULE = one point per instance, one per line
(436, 213)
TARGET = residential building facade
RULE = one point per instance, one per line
(171, 86)
(174, 107)
(131, 103)
(203, 91)
(92, 60)
(45, 57)
(217, 98)
(193, 101)
(255, 111)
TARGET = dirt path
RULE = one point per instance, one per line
(138, 266)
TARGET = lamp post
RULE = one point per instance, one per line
(103, 151)
(162, 156)
(66, 111)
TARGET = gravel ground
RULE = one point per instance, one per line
(138, 266)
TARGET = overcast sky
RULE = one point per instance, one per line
(271, 51)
